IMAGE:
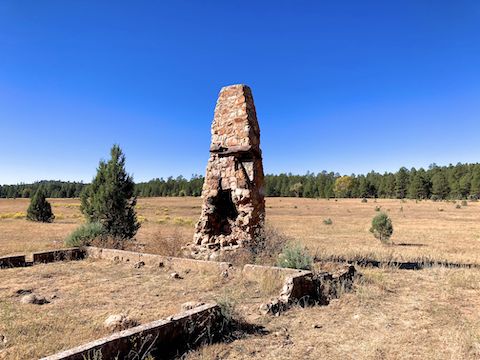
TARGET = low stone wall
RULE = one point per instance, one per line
(305, 288)
(254, 272)
(58, 255)
(155, 260)
(165, 338)
(12, 261)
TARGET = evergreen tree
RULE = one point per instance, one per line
(475, 184)
(419, 186)
(39, 208)
(110, 199)
(401, 183)
(440, 186)
(382, 227)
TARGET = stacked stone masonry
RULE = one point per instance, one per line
(233, 211)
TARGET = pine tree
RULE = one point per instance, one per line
(39, 208)
(382, 227)
(419, 186)
(475, 184)
(440, 185)
(401, 183)
(110, 199)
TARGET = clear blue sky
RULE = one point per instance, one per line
(346, 86)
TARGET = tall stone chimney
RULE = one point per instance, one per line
(233, 211)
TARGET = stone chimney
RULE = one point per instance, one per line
(233, 211)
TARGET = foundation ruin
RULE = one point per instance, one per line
(233, 211)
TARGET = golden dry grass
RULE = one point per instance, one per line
(84, 293)
(430, 314)
(393, 314)
(421, 230)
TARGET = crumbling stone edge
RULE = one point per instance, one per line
(161, 338)
(302, 287)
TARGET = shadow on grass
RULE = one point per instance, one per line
(410, 245)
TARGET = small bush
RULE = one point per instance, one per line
(458, 206)
(327, 221)
(227, 308)
(265, 251)
(167, 243)
(39, 208)
(435, 198)
(295, 256)
(378, 208)
(382, 227)
(473, 198)
(364, 200)
(464, 203)
(85, 234)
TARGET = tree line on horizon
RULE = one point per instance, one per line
(461, 181)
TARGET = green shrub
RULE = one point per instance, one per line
(110, 198)
(378, 208)
(382, 227)
(458, 206)
(39, 208)
(85, 234)
(464, 203)
(364, 200)
(295, 256)
(327, 221)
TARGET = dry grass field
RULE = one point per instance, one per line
(393, 314)
(433, 313)
(422, 230)
(83, 294)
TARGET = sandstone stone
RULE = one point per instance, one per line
(33, 299)
(175, 275)
(191, 305)
(139, 265)
(118, 322)
(233, 211)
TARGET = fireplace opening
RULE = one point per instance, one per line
(224, 215)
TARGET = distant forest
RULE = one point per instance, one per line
(459, 181)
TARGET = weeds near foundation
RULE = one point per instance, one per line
(94, 355)
(295, 256)
(167, 245)
(266, 252)
(145, 350)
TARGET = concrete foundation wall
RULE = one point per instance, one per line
(155, 260)
(58, 255)
(255, 272)
(165, 337)
(12, 261)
